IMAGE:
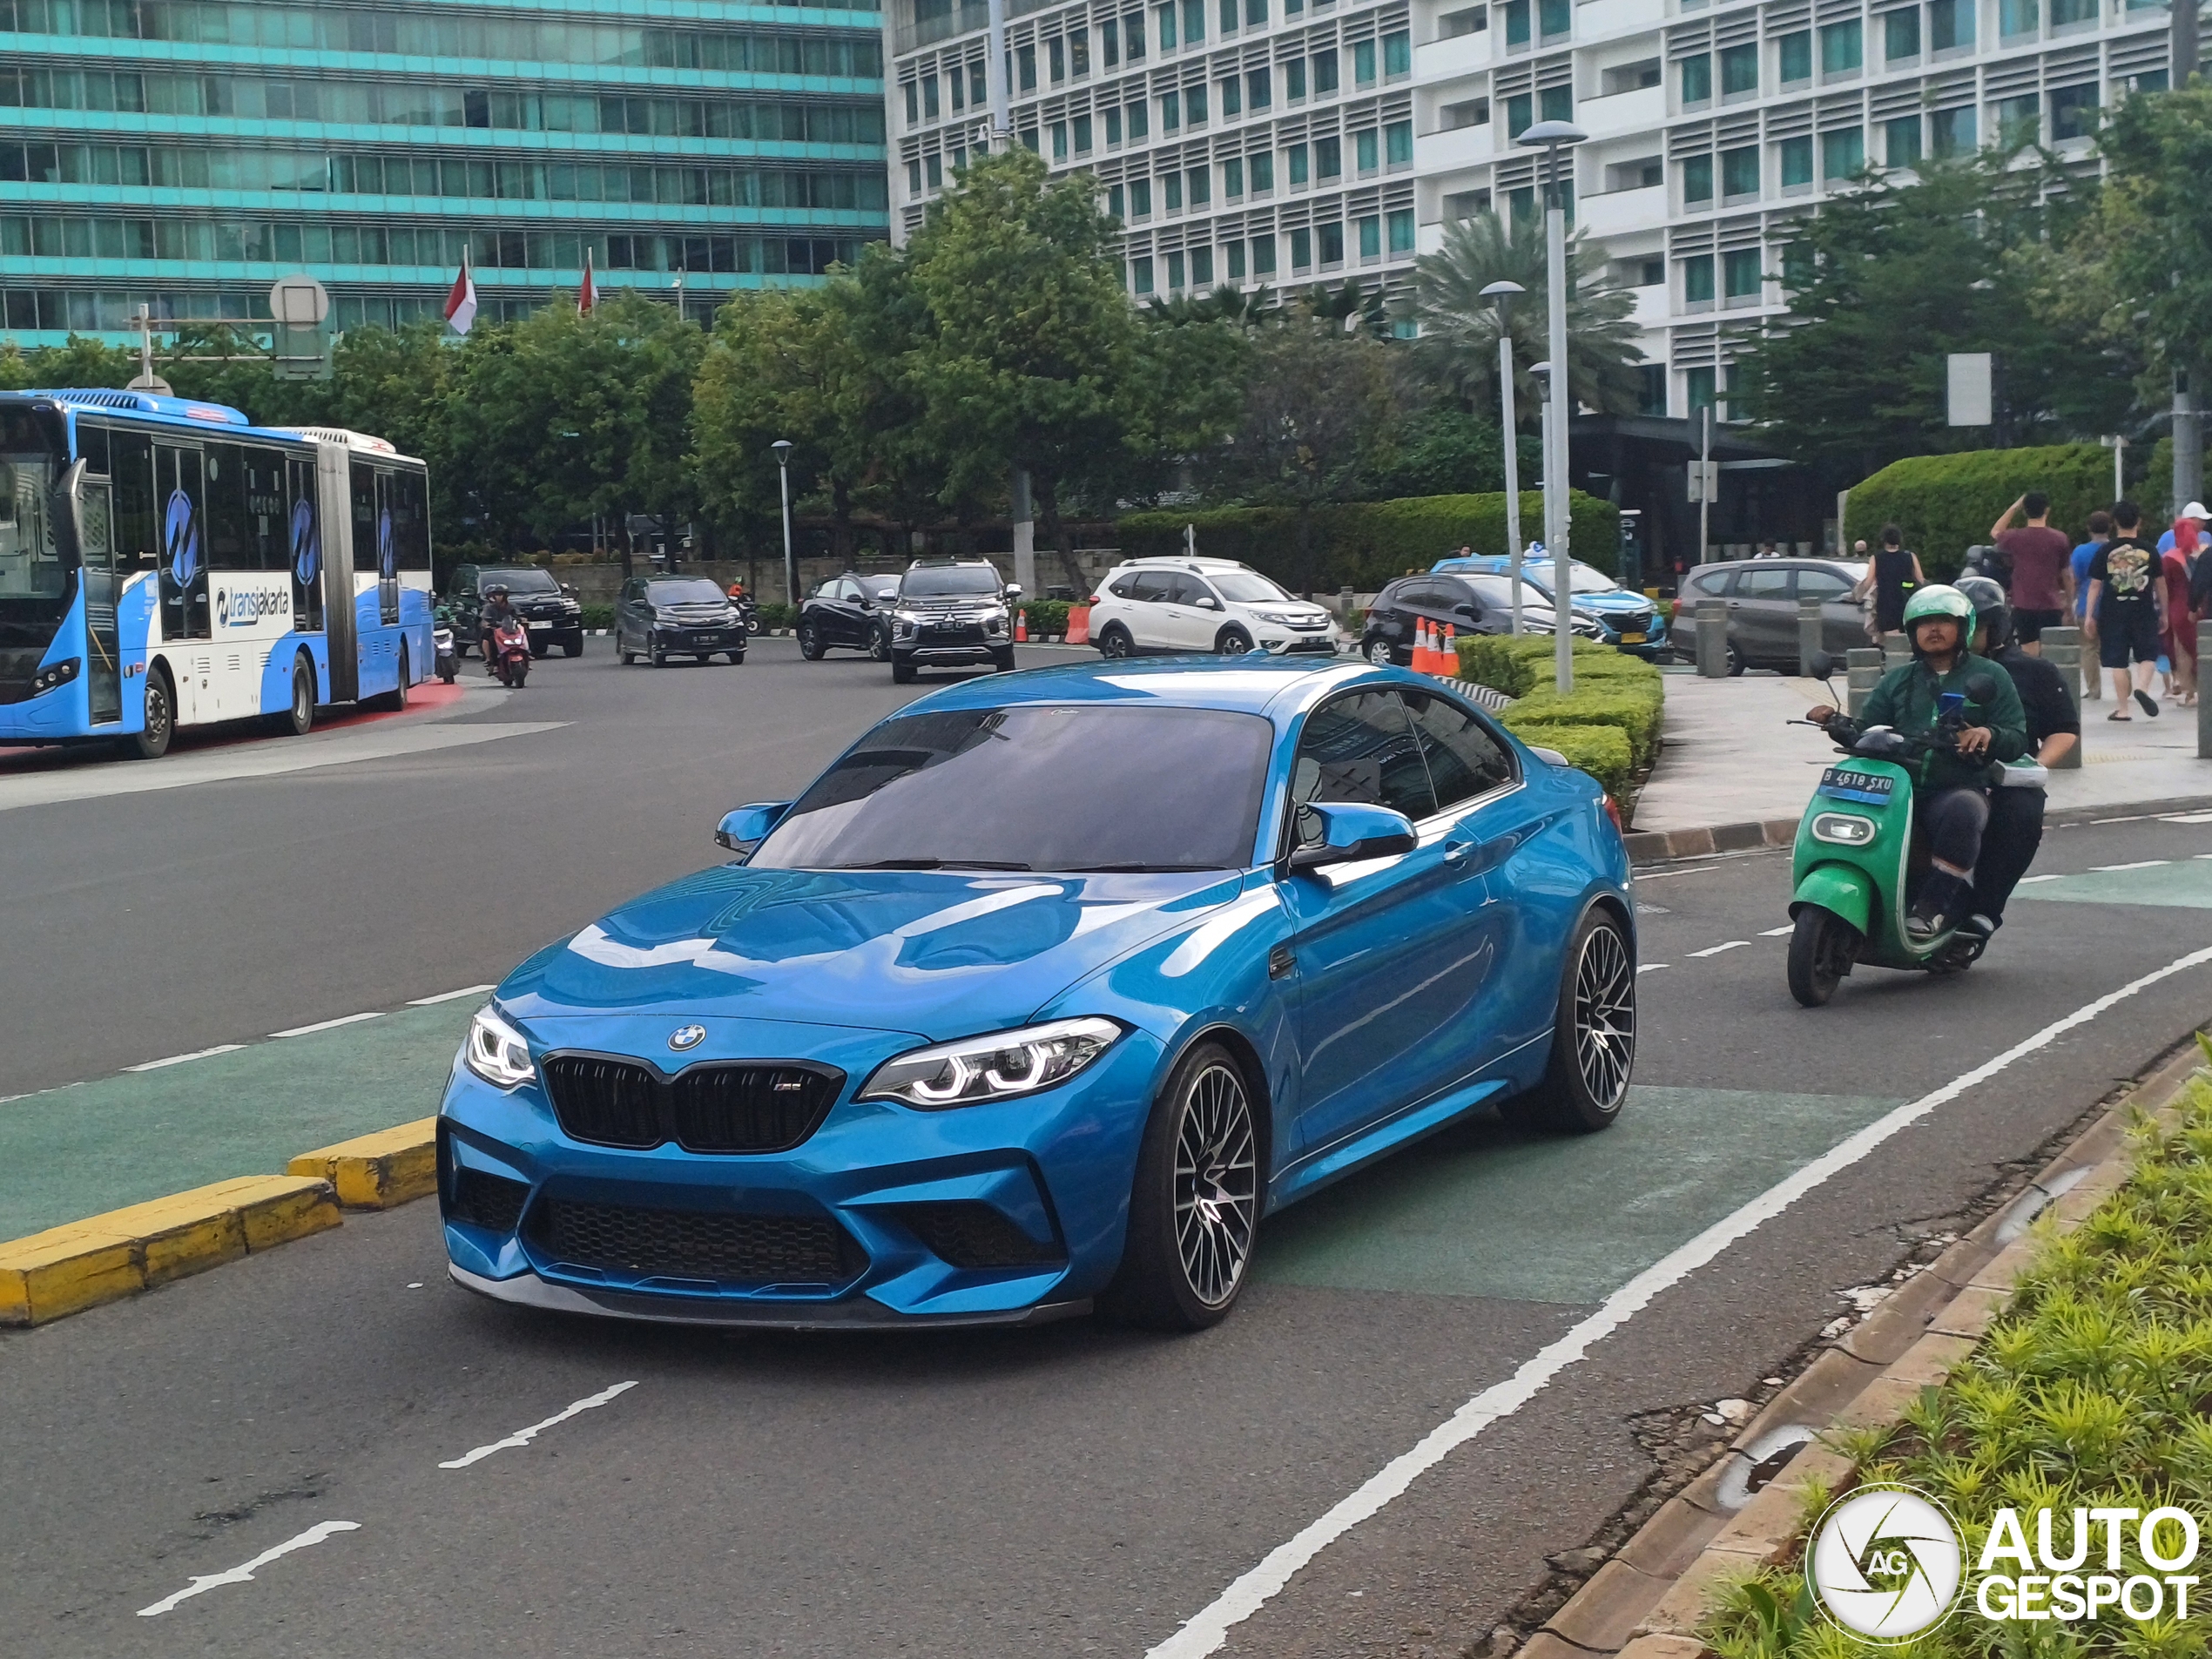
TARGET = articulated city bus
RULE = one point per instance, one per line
(163, 564)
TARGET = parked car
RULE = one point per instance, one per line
(1471, 604)
(848, 612)
(1762, 597)
(660, 617)
(1148, 607)
(951, 612)
(549, 608)
(1039, 999)
(1627, 620)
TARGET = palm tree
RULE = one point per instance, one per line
(1458, 328)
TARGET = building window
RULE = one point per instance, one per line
(1402, 231)
(1232, 96)
(1025, 66)
(1228, 16)
(1901, 142)
(1301, 250)
(1740, 171)
(1697, 79)
(1294, 80)
(1083, 135)
(1109, 43)
(1950, 132)
(1366, 152)
(1194, 22)
(1262, 256)
(934, 167)
(1139, 122)
(2019, 121)
(1651, 389)
(1175, 271)
(1516, 23)
(1118, 202)
(1520, 115)
(1055, 52)
(1058, 140)
(1398, 55)
(1170, 111)
(1698, 384)
(1328, 159)
(1794, 57)
(913, 178)
(1200, 186)
(1740, 274)
(1201, 267)
(929, 96)
(1255, 13)
(1263, 166)
(1140, 198)
(1901, 33)
(1840, 48)
(1841, 154)
(1258, 90)
(2071, 11)
(1232, 177)
(1696, 180)
(1739, 69)
(1798, 266)
(1165, 16)
(1298, 159)
(1332, 244)
(1363, 64)
(1950, 24)
(1797, 162)
(1324, 74)
(2074, 112)
(1521, 206)
(1133, 36)
(1194, 105)
(1234, 256)
(1171, 192)
(1555, 18)
(914, 107)
(1398, 144)
(1141, 275)
(1556, 103)
(2016, 19)
(1697, 279)
(1113, 127)
(1371, 238)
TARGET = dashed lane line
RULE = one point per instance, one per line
(1715, 950)
(1777, 933)
(203, 1582)
(2139, 864)
(1650, 968)
(327, 1025)
(179, 1059)
(523, 1437)
(450, 996)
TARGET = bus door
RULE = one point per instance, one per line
(103, 586)
(303, 543)
(180, 493)
(376, 548)
(334, 544)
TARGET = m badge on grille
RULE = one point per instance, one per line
(687, 1036)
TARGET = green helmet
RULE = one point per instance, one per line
(1939, 599)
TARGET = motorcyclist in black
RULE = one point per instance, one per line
(496, 612)
(2015, 827)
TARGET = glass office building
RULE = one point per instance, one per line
(183, 154)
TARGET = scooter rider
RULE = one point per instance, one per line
(496, 612)
(1951, 796)
(2015, 827)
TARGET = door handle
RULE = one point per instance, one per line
(1282, 961)
(1458, 853)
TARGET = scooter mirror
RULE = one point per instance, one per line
(1981, 688)
(1824, 665)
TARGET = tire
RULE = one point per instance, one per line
(736, 657)
(629, 658)
(298, 720)
(901, 673)
(879, 646)
(572, 647)
(161, 718)
(1821, 947)
(1232, 642)
(654, 654)
(1378, 651)
(1737, 661)
(1194, 1207)
(396, 698)
(1593, 1034)
(809, 642)
(1115, 642)
(1004, 661)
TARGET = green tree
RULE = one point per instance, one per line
(1458, 328)
(2148, 253)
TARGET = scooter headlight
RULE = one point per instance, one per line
(1842, 829)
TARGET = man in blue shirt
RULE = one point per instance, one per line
(2100, 533)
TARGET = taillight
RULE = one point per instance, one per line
(1092, 600)
(1613, 812)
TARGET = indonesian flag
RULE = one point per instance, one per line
(461, 304)
(588, 296)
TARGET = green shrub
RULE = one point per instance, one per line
(1364, 544)
(1517, 667)
(1045, 616)
(1945, 504)
(598, 616)
(1601, 751)
(779, 615)
(1632, 709)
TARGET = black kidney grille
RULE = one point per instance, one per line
(696, 1245)
(707, 1108)
(967, 1233)
(487, 1201)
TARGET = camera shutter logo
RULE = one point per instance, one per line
(307, 550)
(387, 556)
(1886, 1563)
(180, 538)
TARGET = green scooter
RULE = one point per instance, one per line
(1855, 864)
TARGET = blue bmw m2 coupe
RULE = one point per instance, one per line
(1040, 998)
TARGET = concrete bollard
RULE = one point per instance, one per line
(1896, 648)
(1865, 674)
(1712, 640)
(1809, 629)
(2203, 708)
(2062, 650)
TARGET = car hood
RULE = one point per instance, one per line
(944, 954)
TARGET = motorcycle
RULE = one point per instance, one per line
(512, 642)
(1857, 866)
(749, 614)
(447, 661)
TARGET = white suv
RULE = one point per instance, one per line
(1170, 605)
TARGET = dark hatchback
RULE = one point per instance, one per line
(848, 612)
(658, 618)
(552, 612)
(1470, 605)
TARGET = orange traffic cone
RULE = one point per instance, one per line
(1451, 665)
(1021, 627)
(1424, 654)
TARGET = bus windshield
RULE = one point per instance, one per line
(35, 585)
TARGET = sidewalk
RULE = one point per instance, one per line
(1728, 757)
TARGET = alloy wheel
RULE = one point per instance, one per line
(1605, 1016)
(1379, 652)
(1215, 1188)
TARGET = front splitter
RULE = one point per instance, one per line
(855, 1313)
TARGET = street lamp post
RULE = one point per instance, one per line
(1502, 294)
(782, 447)
(1552, 137)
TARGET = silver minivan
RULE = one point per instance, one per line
(1761, 595)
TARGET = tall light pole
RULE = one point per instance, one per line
(782, 447)
(1552, 137)
(1502, 294)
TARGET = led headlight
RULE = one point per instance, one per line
(52, 675)
(1847, 829)
(497, 1052)
(994, 1067)
(1280, 618)
(995, 623)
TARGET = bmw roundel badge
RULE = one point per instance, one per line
(687, 1036)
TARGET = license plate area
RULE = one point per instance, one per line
(1868, 789)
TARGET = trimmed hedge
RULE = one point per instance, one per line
(1608, 726)
(1364, 544)
(598, 616)
(1601, 751)
(779, 615)
(1945, 504)
(1631, 710)
(1045, 616)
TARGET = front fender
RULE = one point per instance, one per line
(1838, 889)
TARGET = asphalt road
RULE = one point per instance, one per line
(1068, 1490)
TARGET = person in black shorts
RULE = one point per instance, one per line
(2126, 609)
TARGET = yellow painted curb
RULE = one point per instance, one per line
(67, 1269)
(375, 1171)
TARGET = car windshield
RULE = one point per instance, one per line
(696, 590)
(1247, 587)
(938, 580)
(518, 581)
(36, 589)
(1588, 579)
(1035, 787)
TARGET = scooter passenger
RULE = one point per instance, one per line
(496, 612)
(1950, 793)
(2015, 827)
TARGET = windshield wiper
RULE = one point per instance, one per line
(1132, 866)
(936, 864)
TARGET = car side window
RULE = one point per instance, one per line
(1417, 596)
(1362, 749)
(1764, 584)
(1464, 759)
(1188, 590)
(1152, 587)
(1452, 594)
(1712, 584)
(1124, 587)
(849, 592)
(1820, 585)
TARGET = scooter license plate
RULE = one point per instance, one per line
(1871, 788)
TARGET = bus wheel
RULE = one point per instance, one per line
(395, 701)
(161, 718)
(298, 719)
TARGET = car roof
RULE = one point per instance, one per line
(1280, 688)
(1197, 563)
(941, 561)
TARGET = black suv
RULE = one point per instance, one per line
(850, 612)
(949, 612)
(659, 617)
(549, 610)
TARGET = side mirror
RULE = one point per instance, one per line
(1013, 590)
(1341, 833)
(1207, 601)
(68, 501)
(745, 828)
(1468, 611)
(569, 587)
(1824, 665)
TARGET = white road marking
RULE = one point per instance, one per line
(202, 1582)
(2188, 818)
(1777, 933)
(523, 1437)
(1208, 1630)
(328, 1025)
(450, 996)
(2139, 864)
(1650, 968)
(1715, 950)
(179, 1059)
(2025, 880)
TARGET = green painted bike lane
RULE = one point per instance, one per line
(71, 1152)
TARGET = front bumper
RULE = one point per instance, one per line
(683, 639)
(946, 653)
(1293, 643)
